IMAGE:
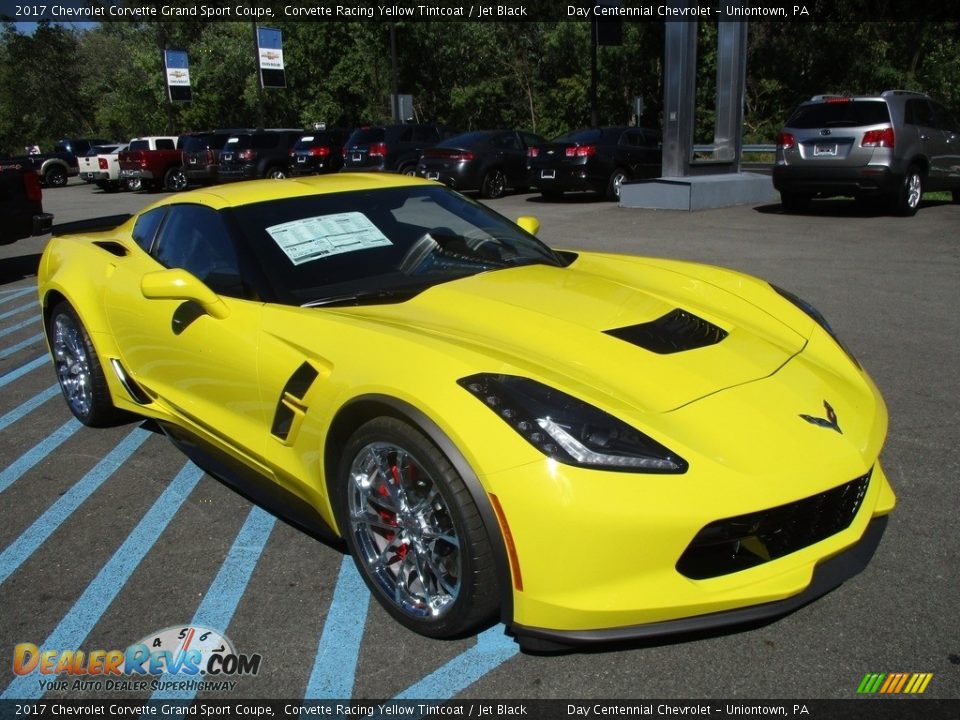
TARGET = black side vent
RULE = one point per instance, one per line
(114, 248)
(737, 543)
(675, 332)
(290, 406)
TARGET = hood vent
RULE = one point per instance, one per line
(675, 332)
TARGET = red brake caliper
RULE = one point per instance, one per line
(390, 517)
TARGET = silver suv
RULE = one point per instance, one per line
(892, 147)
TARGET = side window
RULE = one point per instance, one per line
(917, 112)
(165, 144)
(943, 119)
(195, 238)
(509, 141)
(426, 134)
(146, 227)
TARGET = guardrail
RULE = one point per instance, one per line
(752, 148)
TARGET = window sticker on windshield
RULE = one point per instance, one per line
(319, 237)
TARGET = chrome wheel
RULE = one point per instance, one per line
(914, 191)
(403, 530)
(276, 173)
(613, 187)
(73, 364)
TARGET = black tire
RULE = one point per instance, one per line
(409, 170)
(276, 173)
(956, 197)
(613, 186)
(174, 180)
(907, 200)
(79, 371)
(494, 184)
(408, 500)
(55, 176)
(794, 202)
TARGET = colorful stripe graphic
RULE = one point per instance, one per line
(893, 683)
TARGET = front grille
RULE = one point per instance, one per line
(676, 331)
(737, 543)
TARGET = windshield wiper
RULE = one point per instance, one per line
(373, 296)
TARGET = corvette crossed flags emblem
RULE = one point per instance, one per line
(830, 421)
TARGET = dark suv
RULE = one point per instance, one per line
(320, 151)
(597, 159)
(258, 154)
(890, 147)
(394, 148)
(201, 153)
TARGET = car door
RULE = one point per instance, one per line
(204, 369)
(512, 157)
(918, 118)
(948, 159)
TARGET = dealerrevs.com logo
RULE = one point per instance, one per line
(894, 683)
(160, 661)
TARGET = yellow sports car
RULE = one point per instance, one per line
(586, 446)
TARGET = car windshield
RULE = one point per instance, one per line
(383, 245)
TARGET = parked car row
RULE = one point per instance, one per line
(489, 162)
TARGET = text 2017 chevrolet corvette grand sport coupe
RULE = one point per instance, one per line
(587, 446)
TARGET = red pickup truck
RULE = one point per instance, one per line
(154, 162)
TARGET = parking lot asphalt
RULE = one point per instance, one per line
(109, 536)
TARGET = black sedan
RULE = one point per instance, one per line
(597, 159)
(486, 160)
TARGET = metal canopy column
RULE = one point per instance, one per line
(731, 84)
(679, 95)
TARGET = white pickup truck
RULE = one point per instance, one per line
(103, 169)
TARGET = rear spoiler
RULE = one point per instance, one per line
(99, 224)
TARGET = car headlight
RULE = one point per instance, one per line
(570, 430)
(817, 317)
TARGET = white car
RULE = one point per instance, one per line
(103, 169)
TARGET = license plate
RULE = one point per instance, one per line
(357, 157)
(825, 149)
(193, 161)
(433, 176)
(226, 157)
(548, 174)
(301, 159)
(88, 175)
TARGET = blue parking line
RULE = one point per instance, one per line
(220, 603)
(335, 664)
(14, 555)
(15, 470)
(103, 590)
(17, 310)
(9, 295)
(493, 648)
(18, 326)
(26, 407)
(23, 370)
(7, 352)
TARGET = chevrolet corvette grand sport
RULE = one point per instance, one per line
(587, 446)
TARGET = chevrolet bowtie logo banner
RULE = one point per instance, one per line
(178, 75)
(894, 683)
(270, 58)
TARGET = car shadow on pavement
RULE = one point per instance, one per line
(570, 198)
(18, 268)
(843, 207)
